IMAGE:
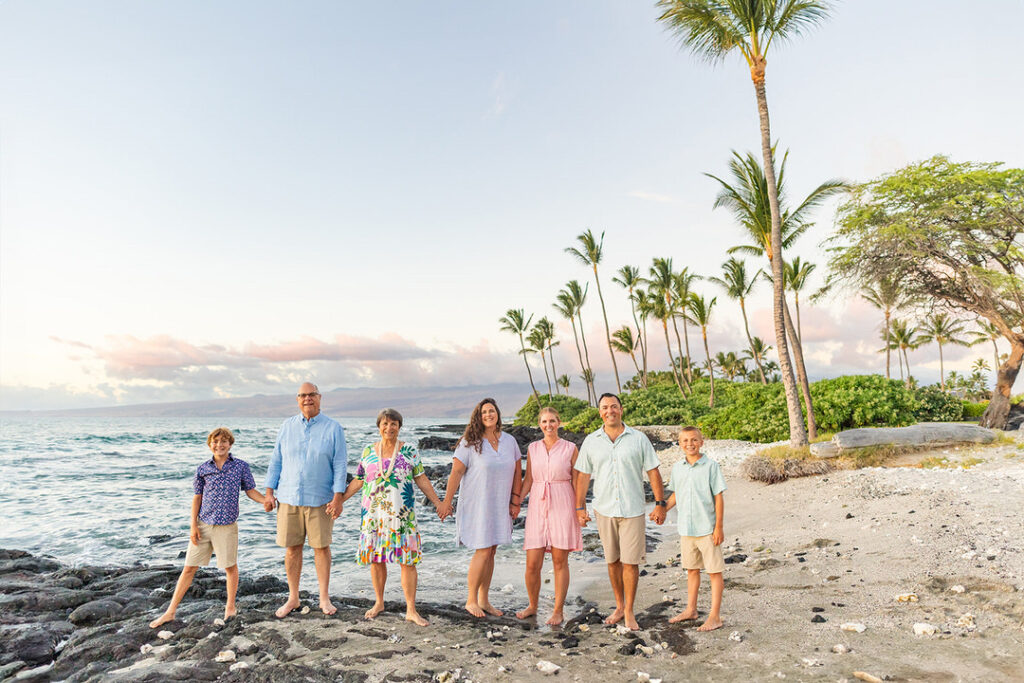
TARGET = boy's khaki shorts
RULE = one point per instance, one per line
(700, 552)
(623, 538)
(221, 539)
(295, 523)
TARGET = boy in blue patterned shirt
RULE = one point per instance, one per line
(214, 528)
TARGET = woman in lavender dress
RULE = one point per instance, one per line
(486, 462)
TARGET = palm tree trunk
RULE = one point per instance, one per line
(942, 369)
(899, 359)
(607, 331)
(799, 331)
(672, 366)
(635, 364)
(580, 354)
(888, 346)
(529, 374)
(797, 430)
(750, 342)
(906, 359)
(646, 339)
(546, 376)
(640, 336)
(686, 340)
(680, 347)
(801, 376)
(998, 409)
(554, 374)
(586, 354)
(711, 370)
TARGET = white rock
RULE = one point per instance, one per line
(165, 635)
(922, 629)
(647, 650)
(211, 634)
(808, 661)
(957, 588)
(146, 648)
(668, 598)
(219, 622)
(906, 597)
(622, 629)
(735, 636)
(502, 669)
(673, 587)
(225, 656)
(304, 610)
(544, 666)
(840, 649)
(507, 588)
(853, 626)
(644, 677)
(238, 665)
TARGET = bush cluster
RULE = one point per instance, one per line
(567, 407)
(974, 411)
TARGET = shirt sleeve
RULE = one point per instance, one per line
(412, 456)
(274, 467)
(248, 482)
(650, 458)
(462, 452)
(198, 482)
(717, 480)
(340, 461)
(583, 463)
(515, 447)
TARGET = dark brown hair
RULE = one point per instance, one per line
(474, 434)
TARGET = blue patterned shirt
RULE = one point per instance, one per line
(695, 487)
(309, 462)
(219, 489)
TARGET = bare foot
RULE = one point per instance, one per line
(615, 617)
(415, 618)
(491, 609)
(685, 615)
(631, 623)
(285, 609)
(162, 619)
(326, 607)
(555, 619)
(377, 608)
(474, 609)
(528, 612)
(711, 624)
(229, 612)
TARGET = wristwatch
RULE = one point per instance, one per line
(661, 503)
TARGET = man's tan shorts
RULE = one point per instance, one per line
(623, 538)
(297, 522)
(221, 539)
(700, 552)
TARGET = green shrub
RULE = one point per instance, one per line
(755, 412)
(862, 401)
(973, 411)
(567, 407)
(936, 405)
(586, 421)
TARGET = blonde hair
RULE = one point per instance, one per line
(549, 409)
(218, 432)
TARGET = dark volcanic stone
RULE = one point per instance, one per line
(818, 619)
(735, 559)
(571, 641)
(33, 644)
(438, 443)
(97, 610)
(817, 609)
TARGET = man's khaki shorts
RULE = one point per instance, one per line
(297, 522)
(221, 539)
(699, 552)
(623, 538)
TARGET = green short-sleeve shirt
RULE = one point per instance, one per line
(695, 487)
(617, 470)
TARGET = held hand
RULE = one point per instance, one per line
(444, 510)
(717, 536)
(658, 515)
(269, 502)
(193, 535)
(513, 510)
(334, 508)
(583, 517)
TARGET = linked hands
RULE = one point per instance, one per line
(583, 517)
(658, 515)
(444, 510)
(269, 502)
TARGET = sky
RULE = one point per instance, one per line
(203, 200)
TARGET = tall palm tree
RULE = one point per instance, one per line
(537, 344)
(589, 253)
(588, 378)
(629, 279)
(987, 332)
(714, 28)
(887, 296)
(664, 283)
(547, 329)
(942, 329)
(643, 312)
(662, 311)
(759, 354)
(516, 322)
(563, 381)
(905, 338)
(738, 285)
(578, 296)
(624, 341)
(700, 310)
(568, 304)
(798, 364)
(682, 286)
(797, 273)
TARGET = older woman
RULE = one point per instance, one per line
(386, 473)
(551, 522)
(487, 462)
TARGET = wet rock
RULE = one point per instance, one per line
(817, 609)
(95, 611)
(438, 443)
(34, 645)
(571, 642)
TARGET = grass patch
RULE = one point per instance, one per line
(936, 462)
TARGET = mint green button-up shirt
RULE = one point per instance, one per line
(617, 470)
(695, 487)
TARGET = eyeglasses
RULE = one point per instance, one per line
(310, 395)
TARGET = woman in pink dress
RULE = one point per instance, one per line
(551, 522)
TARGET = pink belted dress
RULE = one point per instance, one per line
(551, 520)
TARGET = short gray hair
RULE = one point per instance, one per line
(389, 414)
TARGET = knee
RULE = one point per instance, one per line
(560, 563)
(534, 566)
(189, 571)
(232, 570)
(293, 551)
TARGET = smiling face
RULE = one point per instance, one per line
(549, 423)
(389, 429)
(611, 412)
(690, 441)
(220, 446)
(308, 398)
(489, 416)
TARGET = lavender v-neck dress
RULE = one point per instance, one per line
(482, 518)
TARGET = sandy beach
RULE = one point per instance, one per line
(810, 559)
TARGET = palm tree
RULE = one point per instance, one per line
(624, 342)
(629, 278)
(643, 311)
(566, 304)
(738, 285)
(732, 365)
(563, 381)
(887, 296)
(700, 309)
(941, 329)
(796, 273)
(682, 287)
(577, 294)
(714, 28)
(904, 338)
(547, 329)
(537, 343)
(664, 282)
(759, 353)
(801, 369)
(590, 253)
(662, 312)
(516, 322)
(588, 378)
(987, 332)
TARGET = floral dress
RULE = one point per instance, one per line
(388, 523)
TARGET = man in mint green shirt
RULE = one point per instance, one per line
(617, 456)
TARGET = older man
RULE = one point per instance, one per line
(306, 480)
(617, 456)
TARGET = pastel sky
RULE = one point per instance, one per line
(220, 199)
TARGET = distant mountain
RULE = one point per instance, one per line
(453, 402)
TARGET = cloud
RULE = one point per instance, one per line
(653, 197)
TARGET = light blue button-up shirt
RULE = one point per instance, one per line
(695, 487)
(617, 470)
(309, 461)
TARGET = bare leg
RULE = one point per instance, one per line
(184, 581)
(692, 586)
(483, 596)
(630, 579)
(615, 577)
(322, 560)
(714, 619)
(477, 567)
(379, 576)
(534, 562)
(409, 577)
(559, 558)
(292, 570)
(231, 578)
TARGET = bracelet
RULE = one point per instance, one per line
(582, 508)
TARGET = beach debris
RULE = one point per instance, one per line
(673, 587)
(668, 598)
(840, 649)
(546, 667)
(853, 626)
(165, 635)
(583, 627)
(923, 629)
(906, 597)
(644, 649)
(507, 588)
(809, 661)
(449, 676)
(225, 656)
(146, 648)
(957, 588)
(218, 622)
(865, 676)
(394, 638)
(304, 610)
(736, 637)
(644, 677)
(966, 621)
(502, 669)
(237, 666)
(664, 645)
(622, 629)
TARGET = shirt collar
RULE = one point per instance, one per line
(310, 421)
(603, 434)
(212, 465)
(700, 461)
